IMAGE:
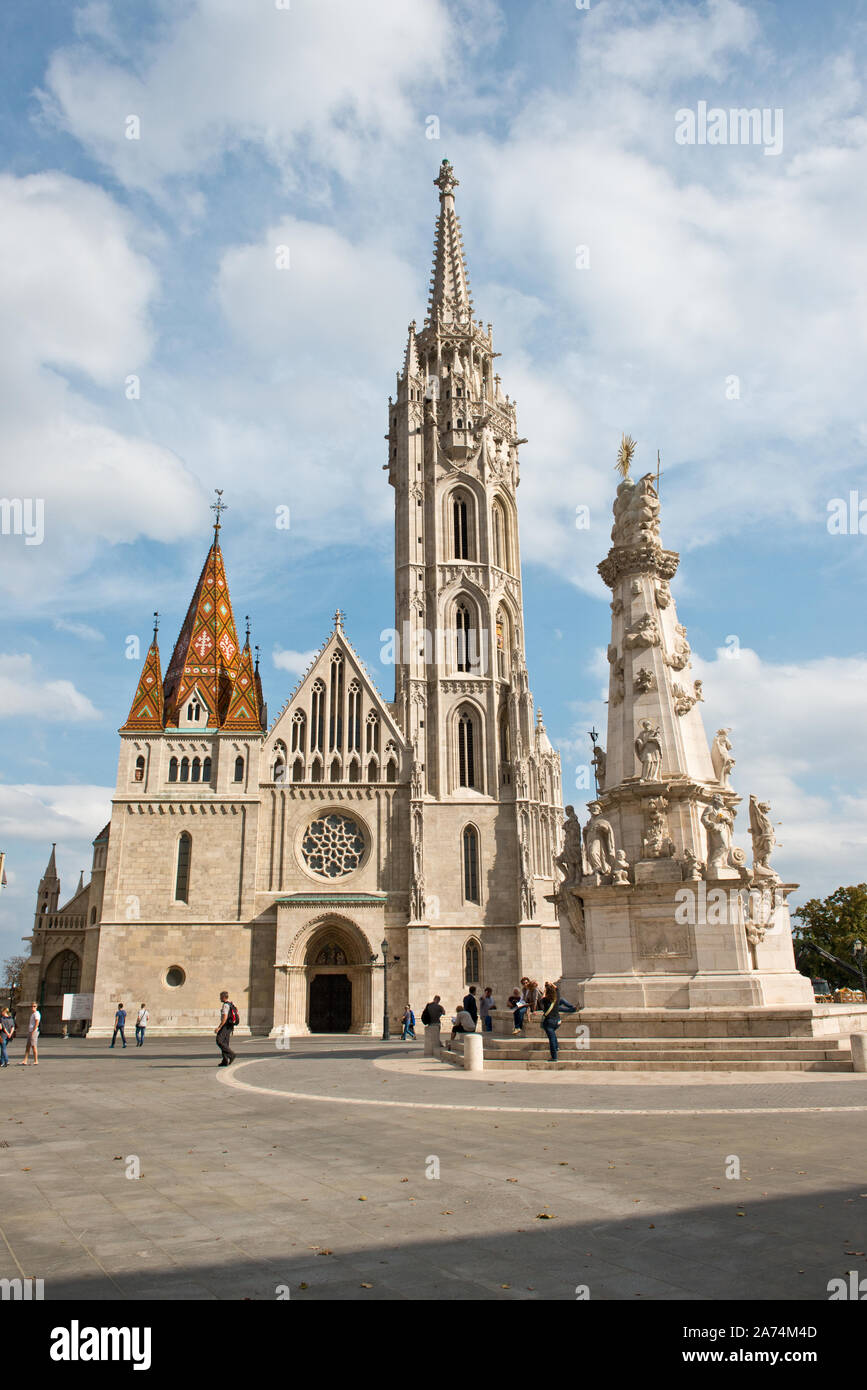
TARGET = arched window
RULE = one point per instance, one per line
(196, 770)
(472, 963)
(465, 639)
(182, 875)
(239, 769)
(354, 770)
(503, 643)
(279, 770)
(317, 717)
(505, 751)
(139, 769)
(391, 771)
(298, 731)
(206, 769)
(353, 742)
(173, 769)
(335, 718)
(461, 525)
(373, 770)
(372, 737)
(316, 770)
(500, 537)
(194, 711)
(335, 770)
(298, 770)
(92, 915)
(185, 769)
(470, 848)
(466, 750)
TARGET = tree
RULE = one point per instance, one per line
(13, 969)
(835, 922)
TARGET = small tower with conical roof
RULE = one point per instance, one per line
(48, 892)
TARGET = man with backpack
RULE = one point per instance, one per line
(430, 1017)
(228, 1022)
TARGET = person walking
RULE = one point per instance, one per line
(7, 1033)
(119, 1025)
(408, 1024)
(471, 1004)
(430, 1017)
(141, 1024)
(551, 1019)
(32, 1035)
(225, 1028)
(486, 1008)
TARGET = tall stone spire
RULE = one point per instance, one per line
(450, 286)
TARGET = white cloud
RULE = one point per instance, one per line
(81, 630)
(75, 298)
(295, 662)
(63, 814)
(23, 693)
(224, 74)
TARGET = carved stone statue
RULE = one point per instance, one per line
(657, 844)
(618, 689)
(763, 837)
(599, 761)
(679, 658)
(721, 758)
(663, 594)
(683, 701)
(718, 821)
(528, 892)
(569, 858)
(415, 777)
(692, 866)
(636, 513)
(644, 680)
(620, 877)
(643, 633)
(648, 750)
(599, 849)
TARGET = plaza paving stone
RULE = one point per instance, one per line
(253, 1177)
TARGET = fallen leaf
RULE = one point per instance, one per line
(545, 1216)
(303, 1286)
(326, 1252)
(362, 1199)
(367, 1286)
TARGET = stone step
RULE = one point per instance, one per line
(674, 1044)
(745, 1054)
(756, 1064)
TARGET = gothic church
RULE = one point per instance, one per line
(274, 860)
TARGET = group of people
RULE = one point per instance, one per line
(141, 1024)
(529, 998)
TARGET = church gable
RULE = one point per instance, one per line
(336, 727)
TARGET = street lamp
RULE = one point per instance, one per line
(858, 953)
(383, 946)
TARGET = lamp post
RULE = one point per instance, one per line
(383, 946)
(858, 952)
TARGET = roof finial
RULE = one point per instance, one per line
(156, 624)
(247, 621)
(446, 182)
(219, 507)
(339, 615)
(256, 649)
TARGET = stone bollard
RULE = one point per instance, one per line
(474, 1054)
(431, 1042)
(859, 1051)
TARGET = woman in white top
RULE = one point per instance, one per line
(32, 1035)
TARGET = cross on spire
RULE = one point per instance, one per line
(247, 621)
(339, 615)
(219, 507)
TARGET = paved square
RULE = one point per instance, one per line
(307, 1170)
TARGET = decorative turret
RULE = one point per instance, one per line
(48, 892)
(146, 711)
(244, 712)
(449, 286)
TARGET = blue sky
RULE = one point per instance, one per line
(309, 127)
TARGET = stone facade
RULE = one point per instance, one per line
(273, 861)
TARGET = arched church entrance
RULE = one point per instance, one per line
(62, 976)
(329, 980)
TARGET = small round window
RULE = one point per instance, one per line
(175, 976)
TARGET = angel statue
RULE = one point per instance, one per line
(721, 758)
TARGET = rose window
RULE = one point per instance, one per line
(333, 846)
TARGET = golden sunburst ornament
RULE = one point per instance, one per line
(624, 455)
